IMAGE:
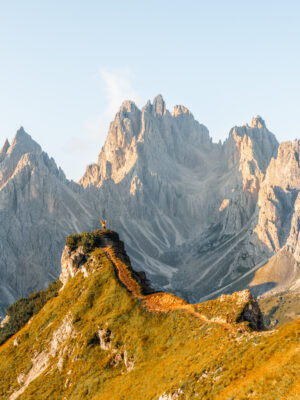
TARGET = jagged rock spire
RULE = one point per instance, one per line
(159, 105)
(5, 147)
(23, 143)
(179, 110)
(258, 122)
(128, 106)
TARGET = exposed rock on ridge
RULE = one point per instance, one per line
(71, 261)
(199, 217)
(251, 311)
(171, 181)
(99, 338)
(75, 261)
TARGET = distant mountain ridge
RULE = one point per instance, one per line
(38, 208)
(200, 218)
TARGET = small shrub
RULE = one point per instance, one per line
(72, 241)
(88, 240)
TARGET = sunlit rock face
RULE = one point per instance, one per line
(278, 195)
(71, 261)
(278, 222)
(200, 218)
(119, 153)
(186, 207)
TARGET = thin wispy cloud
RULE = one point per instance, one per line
(117, 86)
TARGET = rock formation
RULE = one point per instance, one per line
(186, 207)
(71, 261)
(38, 208)
(200, 218)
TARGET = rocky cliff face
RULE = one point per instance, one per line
(278, 220)
(199, 217)
(71, 263)
(278, 195)
(186, 207)
(38, 208)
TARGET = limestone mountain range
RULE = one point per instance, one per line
(201, 218)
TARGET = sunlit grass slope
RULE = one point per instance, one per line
(99, 340)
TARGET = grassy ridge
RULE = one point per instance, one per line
(170, 350)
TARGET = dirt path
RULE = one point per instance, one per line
(158, 302)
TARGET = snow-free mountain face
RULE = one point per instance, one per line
(38, 208)
(185, 206)
(200, 218)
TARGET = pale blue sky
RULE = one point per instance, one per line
(66, 66)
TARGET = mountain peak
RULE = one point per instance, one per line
(21, 134)
(24, 143)
(179, 110)
(21, 130)
(159, 105)
(128, 106)
(5, 147)
(258, 122)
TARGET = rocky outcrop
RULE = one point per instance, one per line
(175, 394)
(71, 261)
(74, 260)
(40, 361)
(4, 321)
(118, 357)
(251, 311)
(104, 336)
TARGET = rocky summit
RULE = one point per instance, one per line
(103, 333)
(200, 218)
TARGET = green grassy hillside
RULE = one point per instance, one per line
(103, 338)
(23, 309)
